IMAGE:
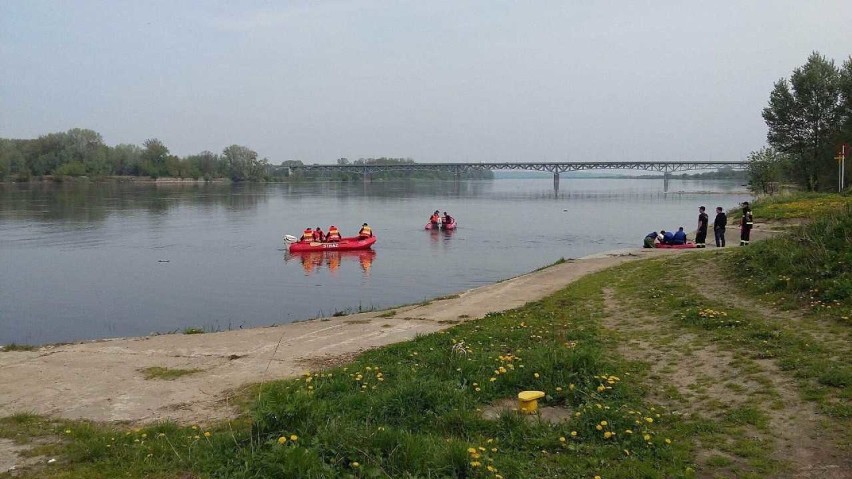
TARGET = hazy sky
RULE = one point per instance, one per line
(432, 80)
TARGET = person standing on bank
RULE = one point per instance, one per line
(746, 223)
(701, 234)
(719, 227)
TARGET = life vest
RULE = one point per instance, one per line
(748, 218)
(308, 235)
(365, 232)
(434, 219)
(333, 234)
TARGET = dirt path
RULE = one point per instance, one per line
(699, 377)
(103, 381)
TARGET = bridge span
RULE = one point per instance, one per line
(557, 167)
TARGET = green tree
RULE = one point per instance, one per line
(153, 158)
(243, 163)
(124, 159)
(765, 168)
(804, 117)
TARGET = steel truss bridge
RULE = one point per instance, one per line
(665, 167)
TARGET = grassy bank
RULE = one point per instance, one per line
(668, 368)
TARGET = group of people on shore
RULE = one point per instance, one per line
(719, 224)
(333, 235)
(436, 219)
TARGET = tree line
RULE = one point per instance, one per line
(808, 117)
(82, 152)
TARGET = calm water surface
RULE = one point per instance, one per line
(104, 260)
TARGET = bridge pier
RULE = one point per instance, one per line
(556, 182)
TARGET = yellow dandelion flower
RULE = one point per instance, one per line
(535, 375)
(475, 463)
(356, 465)
(558, 389)
(573, 433)
(599, 427)
(646, 437)
(493, 379)
(207, 434)
(294, 437)
(649, 420)
(604, 423)
(562, 439)
(607, 435)
(471, 450)
(668, 441)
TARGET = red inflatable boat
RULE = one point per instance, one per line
(353, 243)
(686, 245)
(442, 226)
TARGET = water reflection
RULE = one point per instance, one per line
(313, 261)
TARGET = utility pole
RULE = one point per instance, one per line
(841, 167)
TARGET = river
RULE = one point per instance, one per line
(95, 260)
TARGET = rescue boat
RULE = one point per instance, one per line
(353, 243)
(687, 245)
(441, 226)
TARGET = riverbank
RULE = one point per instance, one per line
(683, 365)
(105, 380)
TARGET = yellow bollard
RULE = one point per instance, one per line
(528, 401)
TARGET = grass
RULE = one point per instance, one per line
(808, 267)
(167, 374)
(18, 347)
(193, 330)
(415, 409)
(798, 205)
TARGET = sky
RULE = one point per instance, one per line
(436, 81)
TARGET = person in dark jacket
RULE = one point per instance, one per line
(651, 237)
(719, 227)
(679, 236)
(701, 232)
(668, 237)
(746, 223)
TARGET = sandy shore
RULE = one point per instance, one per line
(102, 380)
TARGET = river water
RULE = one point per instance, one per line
(86, 261)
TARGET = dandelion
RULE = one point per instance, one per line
(646, 437)
(282, 440)
(207, 434)
(475, 464)
(603, 423)
(356, 465)
(573, 433)
(599, 427)
(67, 431)
(608, 435)
(649, 420)
(668, 441)
(536, 375)
(294, 437)
(562, 439)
